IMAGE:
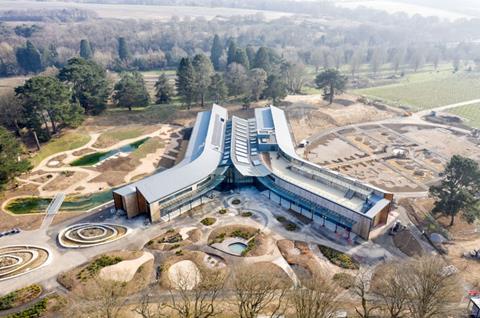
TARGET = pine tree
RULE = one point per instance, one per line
(242, 58)
(85, 49)
(203, 72)
(231, 52)
(10, 151)
(163, 90)
(276, 88)
(185, 81)
(131, 91)
(251, 55)
(216, 52)
(29, 58)
(123, 50)
(90, 85)
(262, 59)
(218, 90)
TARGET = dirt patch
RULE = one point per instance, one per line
(168, 241)
(65, 180)
(300, 257)
(407, 243)
(82, 152)
(113, 171)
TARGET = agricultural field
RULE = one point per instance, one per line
(470, 113)
(142, 11)
(428, 90)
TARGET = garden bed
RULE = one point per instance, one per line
(338, 258)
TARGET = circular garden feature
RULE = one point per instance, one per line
(91, 234)
(18, 260)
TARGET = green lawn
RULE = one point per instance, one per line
(428, 90)
(471, 113)
(67, 141)
(71, 204)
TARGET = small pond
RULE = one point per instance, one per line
(237, 248)
(98, 157)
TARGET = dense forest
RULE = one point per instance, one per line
(327, 40)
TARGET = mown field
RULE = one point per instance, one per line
(428, 90)
(471, 113)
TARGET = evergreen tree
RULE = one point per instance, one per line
(251, 55)
(276, 88)
(29, 58)
(458, 190)
(46, 101)
(90, 85)
(216, 52)
(262, 59)
(50, 56)
(185, 81)
(203, 72)
(163, 90)
(10, 151)
(85, 49)
(242, 58)
(257, 79)
(330, 81)
(131, 91)
(231, 52)
(123, 50)
(218, 90)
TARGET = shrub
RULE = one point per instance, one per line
(246, 214)
(174, 246)
(222, 211)
(344, 280)
(236, 201)
(242, 234)
(291, 226)
(208, 221)
(179, 253)
(94, 267)
(281, 219)
(220, 238)
(250, 246)
(36, 310)
(170, 231)
(338, 258)
(20, 297)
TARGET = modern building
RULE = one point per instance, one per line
(223, 153)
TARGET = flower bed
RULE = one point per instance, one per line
(338, 258)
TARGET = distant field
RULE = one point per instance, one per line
(428, 90)
(393, 6)
(471, 113)
(9, 83)
(150, 12)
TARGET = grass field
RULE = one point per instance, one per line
(67, 141)
(471, 113)
(428, 90)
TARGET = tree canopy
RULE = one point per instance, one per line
(330, 81)
(163, 90)
(185, 81)
(10, 151)
(216, 52)
(85, 49)
(29, 58)
(130, 91)
(458, 191)
(90, 85)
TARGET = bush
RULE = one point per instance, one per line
(338, 258)
(220, 238)
(94, 267)
(242, 234)
(246, 214)
(179, 253)
(250, 246)
(20, 297)
(236, 201)
(344, 280)
(223, 211)
(36, 310)
(208, 221)
(281, 219)
(291, 226)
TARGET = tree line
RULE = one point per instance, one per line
(418, 288)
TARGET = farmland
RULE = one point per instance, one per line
(471, 114)
(428, 90)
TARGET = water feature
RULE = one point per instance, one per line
(99, 157)
(237, 248)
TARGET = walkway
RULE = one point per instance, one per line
(52, 209)
(446, 107)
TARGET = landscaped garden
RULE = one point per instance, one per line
(338, 258)
(20, 297)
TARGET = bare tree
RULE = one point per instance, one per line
(315, 299)
(377, 60)
(295, 77)
(355, 62)
(390, 288)
(429, 288)
(196, 300)
(361, 288)
(258, 292)
(147, 307)
(97, 298)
